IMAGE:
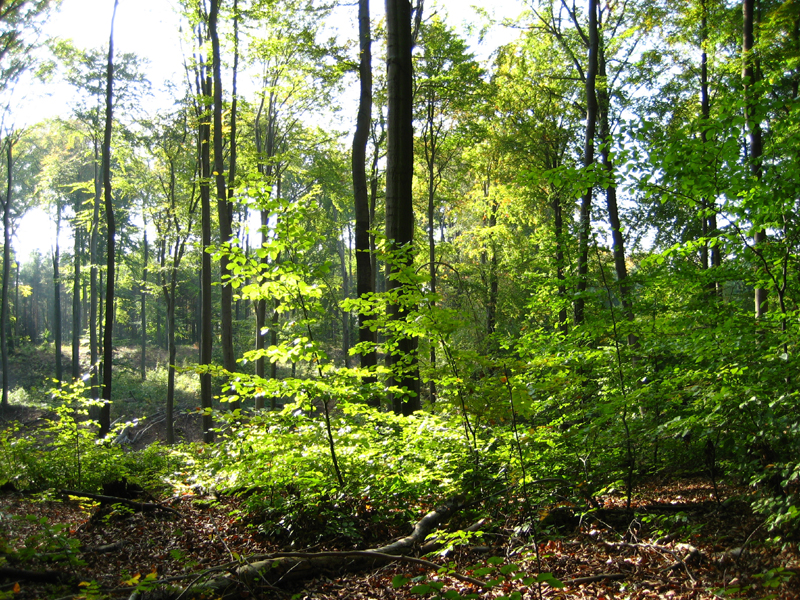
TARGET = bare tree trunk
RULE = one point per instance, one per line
(618, 249)
(108, 348)
(750, 77)
(206, 333)
(399, 206)
(143, 316)
(224, 207)
(94, 288)
(585, 225)
(76, 306)
(6, 267)
(365, 282)
(57, 338)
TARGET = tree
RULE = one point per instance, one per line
(447, 92)
(176, 172)
(295, 79)
(363, 223)
(224, 206)
(750, 69)
(111, 231)
(401, 354)
(6, 205)
(86, 70)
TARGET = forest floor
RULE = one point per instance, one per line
(681, 545)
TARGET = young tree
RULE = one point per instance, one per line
(111, 231)
(176, 172)
(446, 93)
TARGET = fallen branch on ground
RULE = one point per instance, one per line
(143, 506)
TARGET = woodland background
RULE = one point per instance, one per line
(554, 275)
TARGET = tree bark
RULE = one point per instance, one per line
(750, 77)
(618, 241)
(94, 288)
(399, 207)
(6, 267)
(76, 305)
(364, 275)
(206, 333)
(585, 225)
(708, 204)
(224, 207)
(143, 315)
(111, 231)
(57, 338)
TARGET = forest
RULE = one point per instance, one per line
(369, 312)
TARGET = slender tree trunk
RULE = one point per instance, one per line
(57, 338)
(94, 288)
(108, 348)
(585, 225)
(143, 316)
(708, 204)
(365, 282)
(265, 147)
(6, 267)
(558, 233)
(224, 207)
(431, 158)
(750, 77)
(618, 241)
(16, 302)
(206, 333)
(491, 304)
(273, 330)
(76, 305)
(399, 206)
(345, 294)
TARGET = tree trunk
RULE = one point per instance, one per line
(143, 316)
(709, 219)
(224, 207)
(750, 77)
(94, 288)
(364, 275)
(57, 297)
(108, 348)
(76, 306)
(585, 225)
(399, 207)
(345, 294)
(618, 249)
(6, 268)
(562, 323)
(206, 333)
(265, 146)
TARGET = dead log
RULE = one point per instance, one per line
(279, 568)
(142, 506)
(37, 576)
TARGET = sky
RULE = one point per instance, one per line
(149, 28)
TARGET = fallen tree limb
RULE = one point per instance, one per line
(38, 576)
(282, 567)
(593, 578)
(143, 506)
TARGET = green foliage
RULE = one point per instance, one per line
(49, 542)
(501, 573)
